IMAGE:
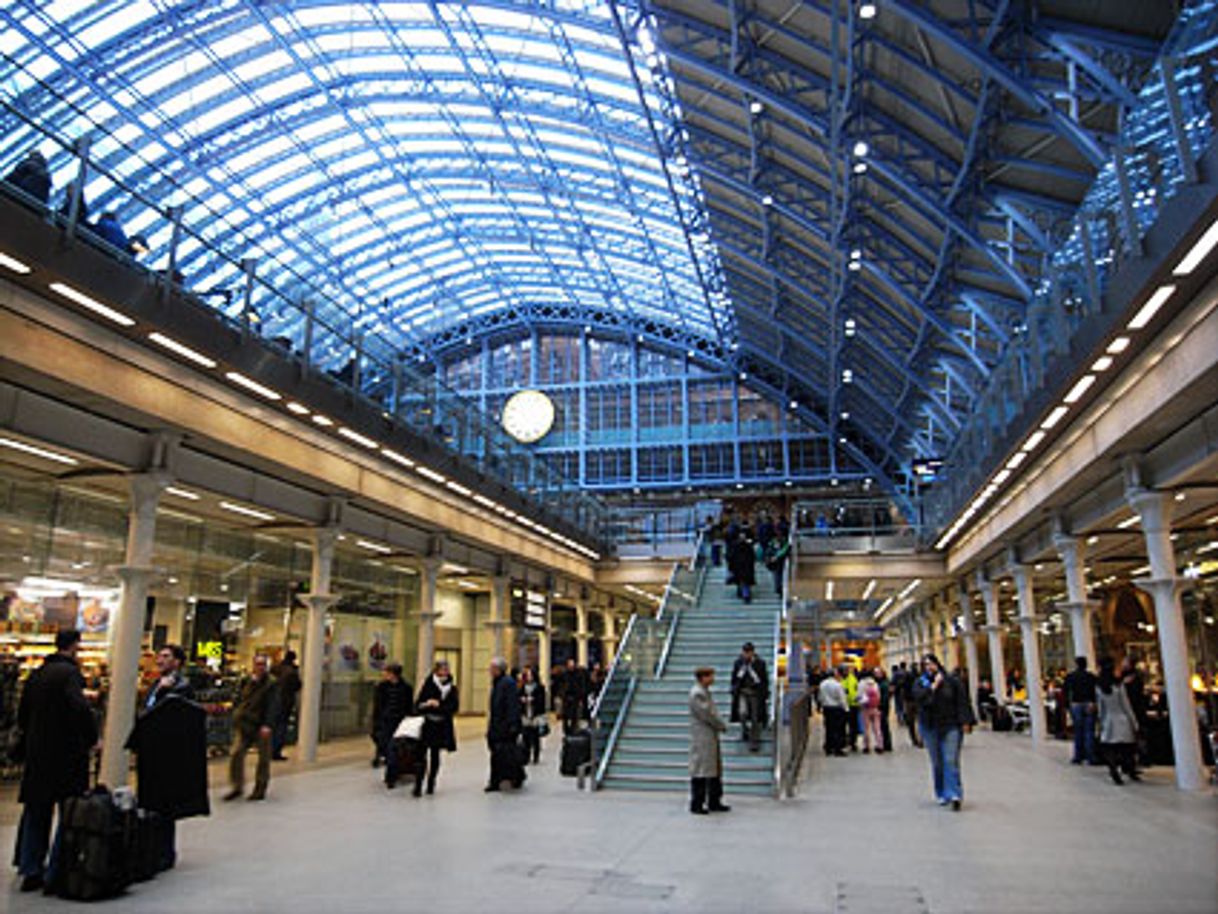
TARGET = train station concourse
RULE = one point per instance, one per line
(609, 455)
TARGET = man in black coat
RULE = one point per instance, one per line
(57, 734)
(503, 728)
(575, 687)
(392, 701)
(32, 176)
(171, 751)
(287, 681)
(750, 692)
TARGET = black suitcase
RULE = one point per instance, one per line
(144, 847)
(1001, 720)
(94, 850)
(576, 752)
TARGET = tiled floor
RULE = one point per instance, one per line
(865, 836)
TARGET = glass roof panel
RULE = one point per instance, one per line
(451, 158)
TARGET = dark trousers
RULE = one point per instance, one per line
(835, 730)
(168, 836)
(750, 708)
(911, 721)
(386, 750)
(427, 765)
(505, 762)
(279, 735)
(704, 792)
(885, 730)
(1120, 757)
(532, 743)
(34, 838)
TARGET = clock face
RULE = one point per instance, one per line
(528, 415)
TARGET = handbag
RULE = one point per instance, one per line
(409, 728)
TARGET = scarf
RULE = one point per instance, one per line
(444, 687)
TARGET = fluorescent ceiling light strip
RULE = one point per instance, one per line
(1033, 441)
(184, 351)
(431, 474)
(251, 385)
(1147, 312)
(35, 451)
(323, 420)
(459, 489)
(298, 408)
(1081, 386)
(92, 304)
(374, 547)
(182, 493)
(828, 590)
(12, 263)
(1128, 522)
(246, 512)
(1055, 417)
(869, 589)
(352, 435)
(1016, 460)
(1103, 363)
(397, 458)
(484, 501)
(1002, 476)
(1198, 252)
(1117, 346)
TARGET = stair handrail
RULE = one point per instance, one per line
(671, 634)
(778, 691)
(697, 567)
(602, 766)
(613, 667)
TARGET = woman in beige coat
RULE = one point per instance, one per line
(705, 762)
(1118, 725)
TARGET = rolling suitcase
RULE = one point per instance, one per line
(576, 752)
(94, 852)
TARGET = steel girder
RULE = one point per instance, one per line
(756, 70)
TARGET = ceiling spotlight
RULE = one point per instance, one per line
(860, 168)
(861, 149)
(856, 254)
(854, 266)
(756, 107)
(867, 11)
(767, 200)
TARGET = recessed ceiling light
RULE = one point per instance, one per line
(298, 408)
(1103, 363)
(182, 493)
(1198, 252)
(1147, 312)
(1055, 417)
(12, 263)
(34, 451)
(323, 420)
(246, 512)
(1081, 386)
(861, 149)
(92, 304)
(1117, 346)
(251, 385)
(184, 351)
(352, 435)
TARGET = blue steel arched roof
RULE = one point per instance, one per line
(428, 161)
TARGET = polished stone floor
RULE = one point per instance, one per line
(864, 837)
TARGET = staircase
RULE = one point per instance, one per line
(652, 749)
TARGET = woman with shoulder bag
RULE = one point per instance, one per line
(534, 724)
(437, 702)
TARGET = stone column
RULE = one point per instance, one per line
(319, 601)
(1031, 652)
(609, 639)
(936, 628)
(429, 570)
(581, 633)
(127, 626)
(970, 643)
(1070, 551)
(499, 621)
(993, 631)
(1154, 508)
(544, 656)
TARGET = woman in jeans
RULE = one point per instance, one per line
(944, 711)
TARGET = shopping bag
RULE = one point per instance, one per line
(410, 728)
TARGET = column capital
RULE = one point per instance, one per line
(430, 564)
(146, 488)
(1172, 587)
(321, 601)
(1152, 507)
(134, 574)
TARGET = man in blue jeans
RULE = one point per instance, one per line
(1080, 696)
(944, 710)
(58, 733)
